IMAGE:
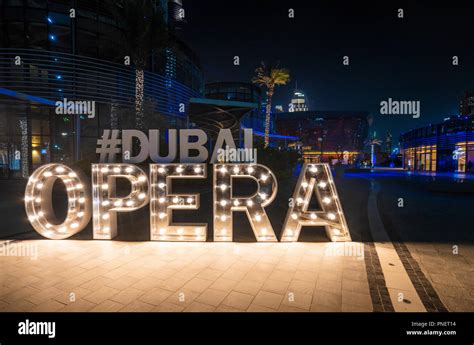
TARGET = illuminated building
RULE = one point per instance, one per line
(241, 92)
(447, 146)
(466, 104)
(298, 102)
(45, 57)
(326, 136)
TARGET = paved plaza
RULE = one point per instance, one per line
(73, 275)
(419, 257)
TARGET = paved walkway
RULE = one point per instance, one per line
(149, 276)
(72, 275)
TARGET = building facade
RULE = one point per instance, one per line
(326, 136)
(298, 102)
(241, 92)
(445, 147)
(466, 104)
(48, 56)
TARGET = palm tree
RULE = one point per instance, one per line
(143, 31)
(372, 142)
(270, 77)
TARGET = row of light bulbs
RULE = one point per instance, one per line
(163, 201)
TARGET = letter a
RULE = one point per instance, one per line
(317, 178)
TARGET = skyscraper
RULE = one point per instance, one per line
(466, 104)
(298, 102)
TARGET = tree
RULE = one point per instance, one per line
(144, 30)
(270, 77)
(372, 142)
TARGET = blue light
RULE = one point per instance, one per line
(59, 76)
(44, 151)
(52, 37)
(50, 20)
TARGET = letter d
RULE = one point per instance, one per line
(127, 146)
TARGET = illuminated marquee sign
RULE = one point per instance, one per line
(156, 189)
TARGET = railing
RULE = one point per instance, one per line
(55, 76)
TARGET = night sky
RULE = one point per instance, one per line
(406, 59)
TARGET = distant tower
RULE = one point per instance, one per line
(466, 104)
(299, 101)
(388, 143)
(176, 14)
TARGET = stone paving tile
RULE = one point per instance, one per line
(289, 309)
(79, 305)
(127, 296)
(328, 299)
(234, 274)
(155, 296)
(303, 287)
(96, 283)
(197, 284)
(122, 283)
(137, 306)
(21, 306)
(307, 276)
(101, 294)
(298, 300)
(356, 298)
(249, 287)
(259, 309)
(332, 286)
(146, 283)
(172, 283)
(238, 300)
(210, 274)
(355, 308)
(275, 286)
(199, 307)
(212, 297)
(224, 284)
(182, 297)
(107, 306)
(268, 299)
(355, 286)
(284, 276)
(71, 296)
(316, 307)
(350, 274)
(49, 305)
(333, 275)
(43, 295)
(168, 307)
(14, 295)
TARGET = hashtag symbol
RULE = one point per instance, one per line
(109, 146)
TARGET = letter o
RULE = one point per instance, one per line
(39, 206)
